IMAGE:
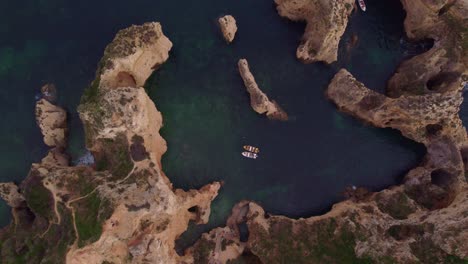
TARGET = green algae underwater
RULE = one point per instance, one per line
(304, 163)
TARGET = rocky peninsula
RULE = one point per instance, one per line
(124, 210)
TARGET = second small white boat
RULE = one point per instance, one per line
(362, 5)
(249, 155)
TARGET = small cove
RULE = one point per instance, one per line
(304, 164)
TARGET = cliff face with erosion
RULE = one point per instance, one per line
(326, 23)
(423, 220)
(124, 210)
(258, 99)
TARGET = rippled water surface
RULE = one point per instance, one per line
(304, 164)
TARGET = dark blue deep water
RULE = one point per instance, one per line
(304, 164)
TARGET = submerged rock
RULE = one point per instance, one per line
(228, 27)
(258, 99)
(49, 92)
(52, 121)
(326, 23)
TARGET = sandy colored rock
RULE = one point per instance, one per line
(228, 27)
(9, 192)
(133, 55)
(56, 157)
(326, 24)
(258, 99)
(420, 118)
(442, 67)
(52, 121)
(124, 210)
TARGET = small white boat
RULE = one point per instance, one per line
(362, 5)
(249, 155)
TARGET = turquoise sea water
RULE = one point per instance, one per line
(304, 164)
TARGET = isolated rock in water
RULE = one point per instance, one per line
(49, 92)
(52, 121)
(9, 192)
(258, 99)
(326, 23)
(228, 27)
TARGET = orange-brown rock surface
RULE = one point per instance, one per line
(124, 209)
(326, 23)
(52, 121)
(228, 27)
(258, 99)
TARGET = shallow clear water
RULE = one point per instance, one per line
(304, 164)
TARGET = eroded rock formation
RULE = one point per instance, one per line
(228, 27)
(52, 121)
(258, 99)
(437, 70)
(424, 220)
(124, 210)
(326, 23)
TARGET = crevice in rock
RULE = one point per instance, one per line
(441, 81)
(125, 79)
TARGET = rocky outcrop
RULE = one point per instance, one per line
(440, 69)
(424, 220)
(326, 24)
(10, 194)
(421, 118)
(132, 56)
(258, 99)
(228, 27)
(124, 208)
(49, 92)
(52, 121)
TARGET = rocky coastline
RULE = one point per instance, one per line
(124, 209)
(424, 220)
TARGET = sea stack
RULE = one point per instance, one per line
(258, 99)
(228, 27)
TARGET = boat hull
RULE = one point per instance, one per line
(249, 155)
(362, 5)
(251, 149)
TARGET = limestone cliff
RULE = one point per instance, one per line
(326, 23)
(258, 99)
(423, 220)
(52, 122)
(228, 27)
(124, 210)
